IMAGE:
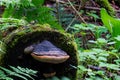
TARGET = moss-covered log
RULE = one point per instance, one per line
(23, 37)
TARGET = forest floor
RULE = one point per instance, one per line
(99, 59)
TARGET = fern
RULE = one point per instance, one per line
(28, 71)
(20, 72)
(13, 3)
(6, 23)
(23, 73)
(34, 11)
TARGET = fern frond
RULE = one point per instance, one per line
(2, 74)
(38, 13)
(20, 72)
(23, 73)
(28, 71)
(5, 78)
(6, 23)
(11, 73)
(16, 3)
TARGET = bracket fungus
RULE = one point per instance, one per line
(47, 52)
(41, 48)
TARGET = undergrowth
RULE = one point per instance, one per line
(23, 73)
(31, 10)
(99, 58)
(98, 46)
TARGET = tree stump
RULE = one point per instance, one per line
(18, 40)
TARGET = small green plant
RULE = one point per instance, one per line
(98, 63)
(30, 10)
(102, 44)
(94, 15)
(6, 23)
(23, 73)
(1, 49)
(13, 3)
(95, 29)
(86, 32)
(112, 24)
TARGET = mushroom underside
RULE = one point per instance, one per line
(51, 59)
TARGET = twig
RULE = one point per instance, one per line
(77, 12)
(94, 67)
(70, 24)
(98, 9)
(92, 8)
(57, 7)
(93, 2)
(72, 20)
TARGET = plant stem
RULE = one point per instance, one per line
(77, 12)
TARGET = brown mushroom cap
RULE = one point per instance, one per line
(47, 52)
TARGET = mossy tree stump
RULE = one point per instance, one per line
(19, 39)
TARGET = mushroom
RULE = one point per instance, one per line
(48, 53)
(28, 50)
(49, 74)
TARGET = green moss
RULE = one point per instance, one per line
(105, 4)
(2, 52)
(23, 37)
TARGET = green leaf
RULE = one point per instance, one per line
(101, 41)
(6, 78)
(88, 79)
(13, 73)
(117, 77)
(64, 78)
(97, 50)
(20, 72)
(16, 3)
(82, 68)
(102, 73)
(7, 23)
(117, 38)
(90, 72)
(102, 59)
(117, 61)
(23, 73)
(28, 71)
(106, 19)
(95, 16)
(109, 66)
(113, 24)
(38, 2)
(104, 54)
(2, 74)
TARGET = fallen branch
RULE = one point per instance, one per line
(98, 9)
